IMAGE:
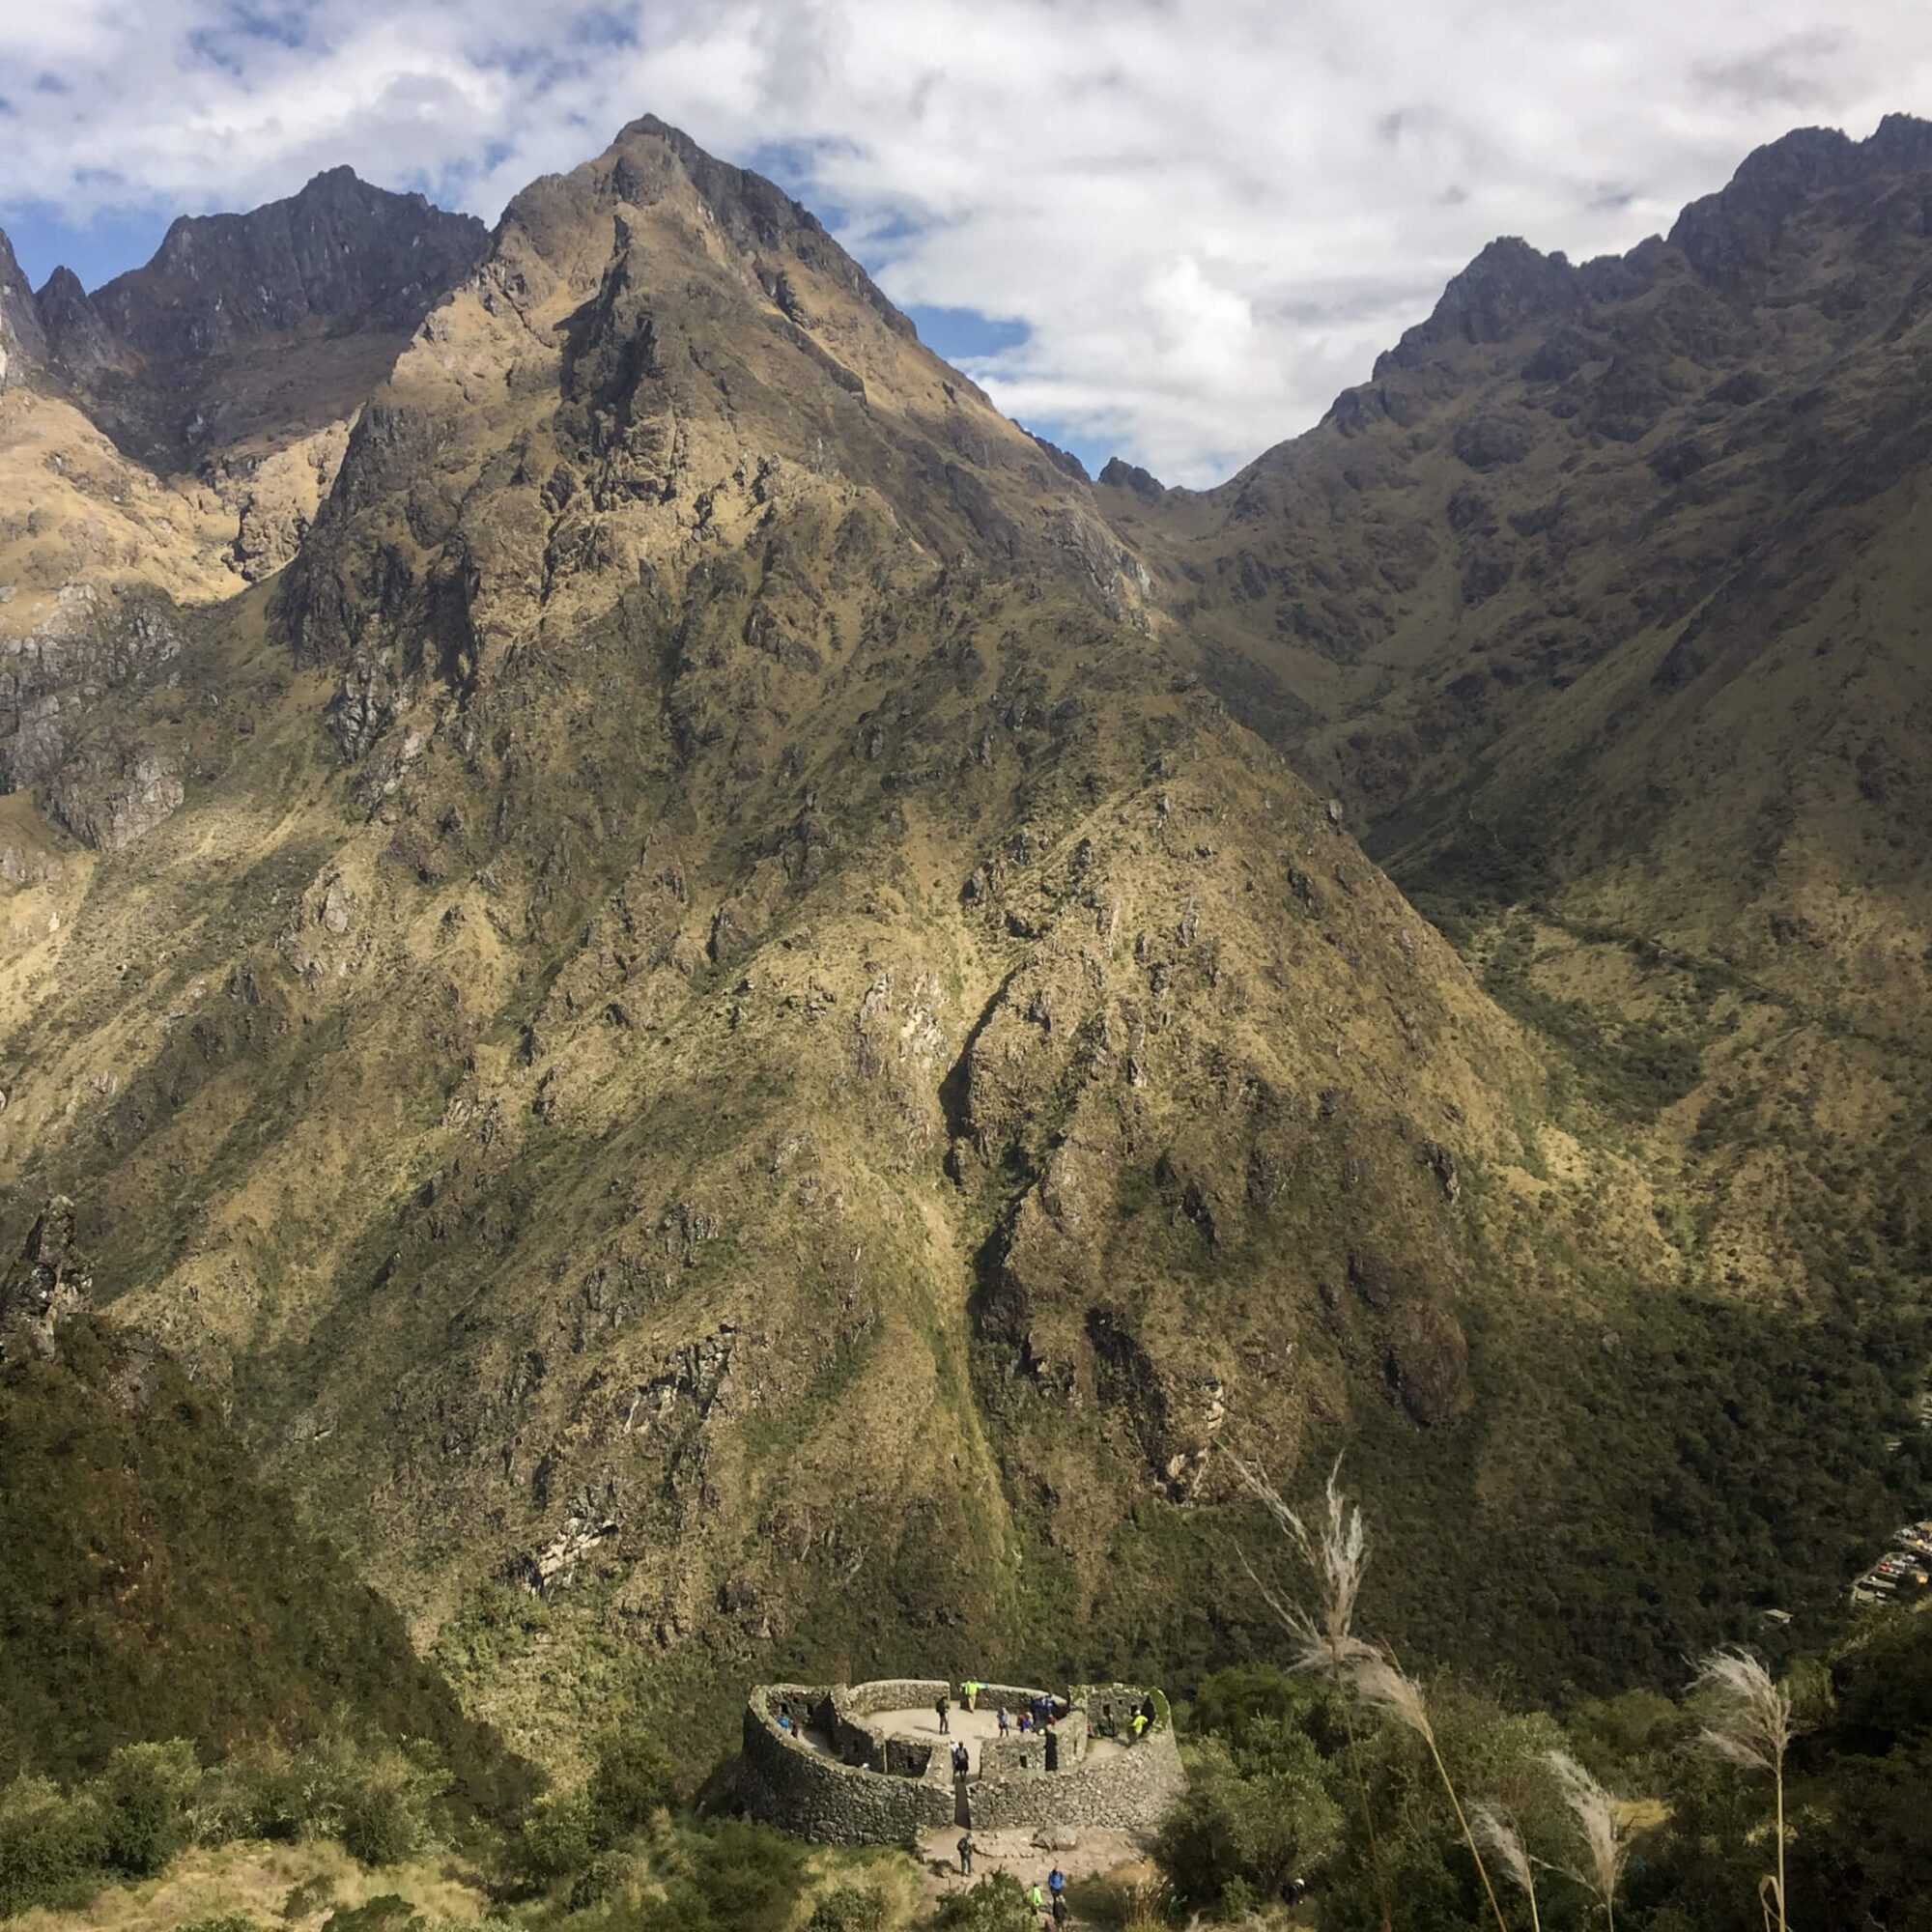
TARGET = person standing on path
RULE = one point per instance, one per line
(1056, 1880)
(940, 1704)
(966, 1855)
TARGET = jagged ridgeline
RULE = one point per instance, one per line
(152, 1587)
(707, 1003)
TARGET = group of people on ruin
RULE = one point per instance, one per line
(1039, 1717)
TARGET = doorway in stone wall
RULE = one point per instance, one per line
(962, 1804)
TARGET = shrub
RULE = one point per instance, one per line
(996, 1904)
(604, 1877)
(148, 1791)
(1259, 1822)
(848, 1908)
(53, 1846)
(388, 1912)
(746, 1877)
(632, 1782)
(559, 1835)
(311, 1895)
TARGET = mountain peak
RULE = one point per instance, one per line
(1732, 236)
(338, 250)
(1508, 286)
(754, 211)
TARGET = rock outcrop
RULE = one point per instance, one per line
(52, 1283)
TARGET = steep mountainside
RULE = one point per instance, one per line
(1602, 605)
(733, 1060)
(151, 1589)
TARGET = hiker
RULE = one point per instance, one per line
(1293, 1892)
(1056, 1880)
(1053, 1750)
(784, 1723)
(1005, 1722)
(1140, 1725)
(1026, 1723)
(973, 1694)
(1061, 1911)
(938, 1704)
(1035, 1897)
(966, 1855)
(962, 1760)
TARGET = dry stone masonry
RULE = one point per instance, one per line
(845, 1775)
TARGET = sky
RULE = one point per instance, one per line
(1168, 229)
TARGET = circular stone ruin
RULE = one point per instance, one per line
(866, 1764)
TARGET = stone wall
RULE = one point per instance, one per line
(1027, 1751)
(1132, 1789)
(787, 1782)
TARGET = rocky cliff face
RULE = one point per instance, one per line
(734, 1021)
(47, 1287)
(167, 441)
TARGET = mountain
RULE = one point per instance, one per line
(720, 1018)
(1598, 604)
(152, 1588)
(171, 438)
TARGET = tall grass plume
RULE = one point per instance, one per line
(1750, 1723)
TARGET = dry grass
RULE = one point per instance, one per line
(1599, 1823)
(1751, 1724)
(253, 1879)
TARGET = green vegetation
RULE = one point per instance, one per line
(152, 1589)
(60, 1844)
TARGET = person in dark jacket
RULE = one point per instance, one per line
(944, 1725)
(1053, 1750)
(966, 1855)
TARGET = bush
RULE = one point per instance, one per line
(309, 1895)
(53, 1846)
(604, 1877)
(1258, 1823)
(633, 1781)
(389, 1912)
(996, 1904)
(745, 1878)
(848, 1908)
(559, 1836)
(148, 1792)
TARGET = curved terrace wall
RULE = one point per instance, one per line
(1131, 1789)
(788, 1782)
(870, 1789)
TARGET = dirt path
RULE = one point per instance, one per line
(1099, 1853)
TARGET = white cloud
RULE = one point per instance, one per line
(1209, 213)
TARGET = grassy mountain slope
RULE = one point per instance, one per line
(733, 1060)
(1601, 606)
(153, 1589)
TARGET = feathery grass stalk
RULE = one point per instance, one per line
(1335, 1551)
(1381, 1680)
(1504, 1838)
(1752, 1725)
(1594, 1812)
